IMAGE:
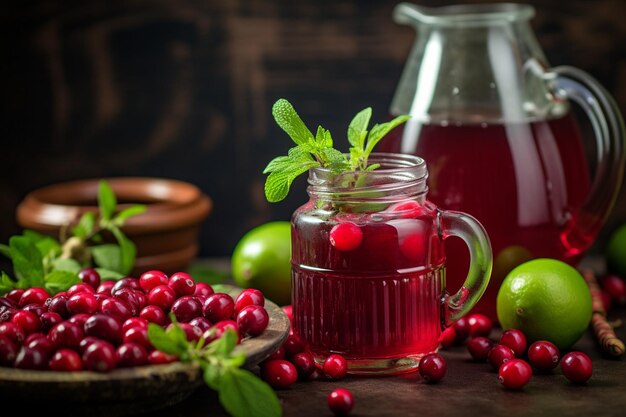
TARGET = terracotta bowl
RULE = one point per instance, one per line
(166, 235)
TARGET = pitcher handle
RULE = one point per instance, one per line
(454, 223)
(571, 83)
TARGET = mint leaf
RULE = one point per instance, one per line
(6, 283)
(106, 200)
(335, 160)
(108, 256)
(63, 264)
(27, 261)
(323, 138)
(129, 212)
(47, 245)
(85, 226)
(212, 373)
(380, 131)
(179, 337)
(224, 345)
(287, 118)
(57, 281)
(5, 251)
(128, 250)
(108, 274)
(357, 130)
(278, 182)
(244, 395)
(163, 341)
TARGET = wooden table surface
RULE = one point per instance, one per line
(469, 388)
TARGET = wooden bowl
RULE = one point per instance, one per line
(130, 390)
(166, 235)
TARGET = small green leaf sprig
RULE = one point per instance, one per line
(318, 151)
(43, 261)
(241, 393)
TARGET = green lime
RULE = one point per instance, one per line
(508, 258)
(547, 300)
(262, 260)
(616, 252)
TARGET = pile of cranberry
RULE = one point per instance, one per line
(100, 326)
(507, 356)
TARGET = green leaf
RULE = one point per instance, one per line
(335, 160)
(278, 182)
(128, 250)
(224, 345)
(108, 256)
(57, 281)
(287, 118)
(106, 200)
(108, 274)
(179, 337)
(85, 226)
(323, 138)
(27, 261)
(212, 374)
(62, 264)
(242, 394)
(380, 131)
(129, 212)
(47, 245)
(357, 130)
(164, 341)
(206, 274)
(33, 236)
(6, 283)
(5, 250)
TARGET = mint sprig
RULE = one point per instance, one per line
(241, 393)
(318, 151)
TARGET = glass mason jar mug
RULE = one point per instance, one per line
(368, 266)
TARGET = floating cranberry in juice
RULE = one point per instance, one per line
(368, 266)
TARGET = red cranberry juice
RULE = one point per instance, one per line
(524, 182)
(380, 300)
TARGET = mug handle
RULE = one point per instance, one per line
(454, 223)
(572, 83)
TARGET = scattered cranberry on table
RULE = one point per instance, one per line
(479, 347)
(577, 367)
(543, 355)
(515, 374)
(279, 373)
(479, 325)
(335, 367)
(498, 355)
(432, 367)
(340, 401)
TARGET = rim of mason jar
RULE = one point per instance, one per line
(468, 14)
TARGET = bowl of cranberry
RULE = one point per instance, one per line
(166, 234)
(88, 349)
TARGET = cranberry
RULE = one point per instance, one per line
(7, 302)
(116, 308)
(83, 302)
(203, 290)
(406, 209)
(79, 288)
(498, 355)
(15, 295)
(90, 277)
(514, 339)
(86, 342)
(58, 304)
(514, 374)
(462, 329)
(577, 367)
(33, 336)
(201, 323)
(66, 360)
(31, 358)
(447, 337)
(13, 332)
(294, 344)
(186, 308)
(279, 373)
(162, 296)
(335, 367)
(49, 320)
(6, 313)
(218, 330)
(218, 307)
(616, 287)
(151, 279)
(193, 333)
(340, 401)
(36, 308)
(134, 322)
(432, 367)
(131, 354)
(138, 335)
(182, 283)
(66, 334)
(479, 325)
(288, 312)
(135, 299)
(304, 363)
(156, 357)
(346, 236)
(252, 320)
(100, 297)
(8, 351)
(277, 354)
(248, 297)
(105, 287)
(153, 314)
(99, 356)
(34, 295)
(127, 282)
(104, 327)
(41, 342)
(79, 319)
(27, 321)
(544, 355)
(479, 347)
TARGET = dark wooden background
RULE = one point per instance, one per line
(183, 89)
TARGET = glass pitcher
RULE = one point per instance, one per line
(493, 121)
